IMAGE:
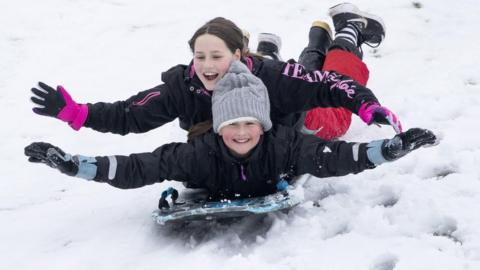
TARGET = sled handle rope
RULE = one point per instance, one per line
(162, 203)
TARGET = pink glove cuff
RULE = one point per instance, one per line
(73, 113)
(366, 111)
(81, 117)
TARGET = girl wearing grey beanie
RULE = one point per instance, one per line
(246, 158)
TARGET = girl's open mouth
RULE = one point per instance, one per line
(210, 76)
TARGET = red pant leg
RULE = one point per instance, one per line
(332, 123)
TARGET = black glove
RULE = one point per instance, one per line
(50, 100)
(407, 141)
(40, 152)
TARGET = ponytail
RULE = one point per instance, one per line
(199, 129)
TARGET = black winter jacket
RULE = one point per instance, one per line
(205, 162)
(291, 90)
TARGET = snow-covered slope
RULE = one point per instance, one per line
(417, 213)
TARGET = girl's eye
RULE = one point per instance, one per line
(217, 56)
(200, 57)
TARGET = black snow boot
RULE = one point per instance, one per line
(269, 46)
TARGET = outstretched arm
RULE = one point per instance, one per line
(140, 113)
(292, 89)
(337, 158)
(170, 161)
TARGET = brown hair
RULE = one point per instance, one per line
(199, 129)
(224, 29)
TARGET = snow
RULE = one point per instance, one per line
(417, 213)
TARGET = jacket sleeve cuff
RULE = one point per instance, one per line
(87, 167)
(374, 152)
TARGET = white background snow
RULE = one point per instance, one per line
(421, 212)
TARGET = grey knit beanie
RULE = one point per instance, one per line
(240, 95)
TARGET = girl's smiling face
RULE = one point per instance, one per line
(211, 59)
(241, 137)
